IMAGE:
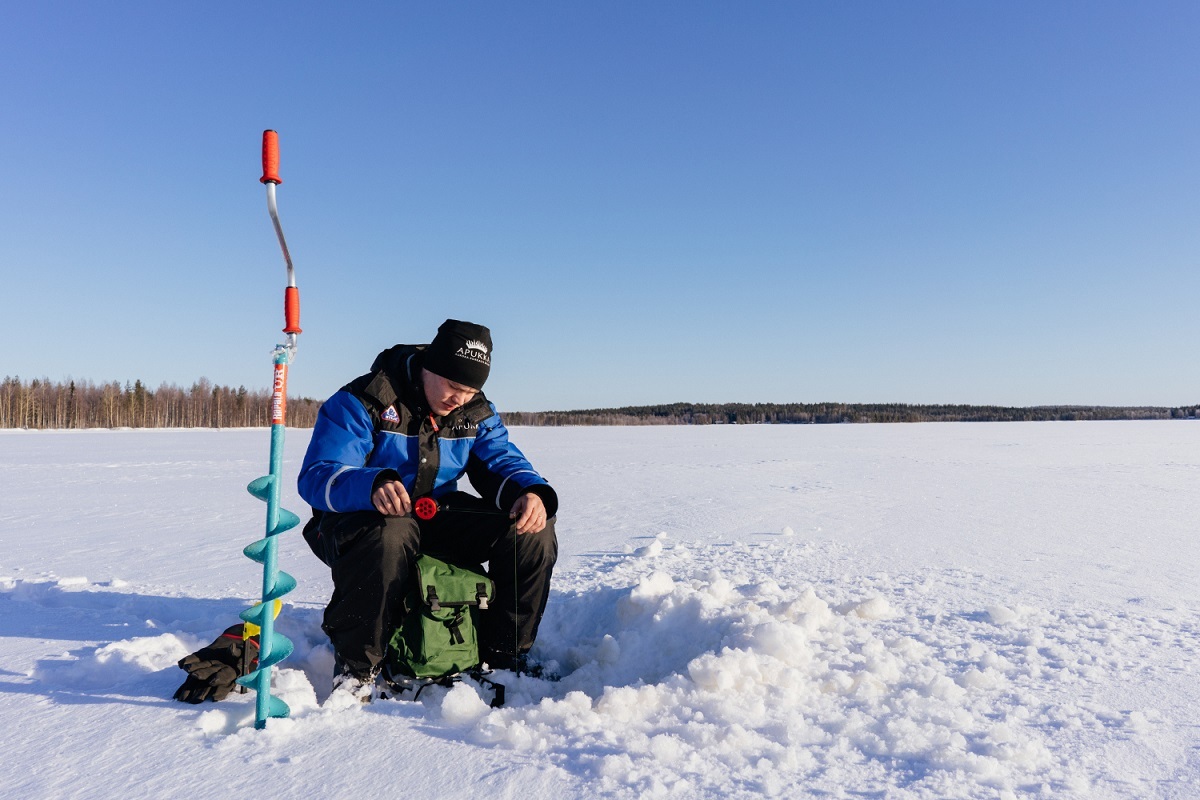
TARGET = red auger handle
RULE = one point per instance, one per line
(270, 158)
(426, 508)
(291, 310)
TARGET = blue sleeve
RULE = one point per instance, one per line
(333, 476)
(506, 473)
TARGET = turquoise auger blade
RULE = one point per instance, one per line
(284, 584)
(254, 614)
(287, 521)
(281, 648)
(277, 708)
(273, 647)
(266, 706)
(261, 487)
(256, 551)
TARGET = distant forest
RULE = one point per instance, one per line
(825, 413)
(83, 404)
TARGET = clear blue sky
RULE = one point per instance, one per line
(977, 202)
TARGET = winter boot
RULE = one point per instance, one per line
(350, 688)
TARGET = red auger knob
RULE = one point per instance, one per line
(270, 154)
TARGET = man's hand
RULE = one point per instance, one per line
(529, 512)
(391, 498)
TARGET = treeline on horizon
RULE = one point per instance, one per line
(44, 404)
(829, 413)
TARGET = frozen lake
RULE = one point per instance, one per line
(932, 610)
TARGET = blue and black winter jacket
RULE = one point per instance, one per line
(378, 427)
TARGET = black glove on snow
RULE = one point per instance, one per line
(213, 669)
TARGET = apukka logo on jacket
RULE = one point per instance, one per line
(390, 415)
(475, 350)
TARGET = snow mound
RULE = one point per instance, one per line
(123, 665)
(462, 707)
(690, 680)
(753, 688)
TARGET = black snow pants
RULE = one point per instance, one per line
(371, 557)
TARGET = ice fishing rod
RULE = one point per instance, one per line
(273, 647)
(426, 508)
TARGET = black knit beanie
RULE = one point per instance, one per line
(461, 352)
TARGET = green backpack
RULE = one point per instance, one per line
(437, 638)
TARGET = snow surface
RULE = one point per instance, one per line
(901, 611)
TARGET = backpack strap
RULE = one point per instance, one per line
(453, 624)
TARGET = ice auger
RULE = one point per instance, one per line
(274, 647)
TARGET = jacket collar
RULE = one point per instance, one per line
(397, 376)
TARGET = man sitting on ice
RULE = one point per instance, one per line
(412, 427)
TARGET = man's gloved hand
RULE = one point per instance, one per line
(213, 669)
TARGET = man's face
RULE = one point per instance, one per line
(444, 395)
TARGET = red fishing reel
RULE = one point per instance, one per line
(426, 508)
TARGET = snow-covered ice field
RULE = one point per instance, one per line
(893, 611)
